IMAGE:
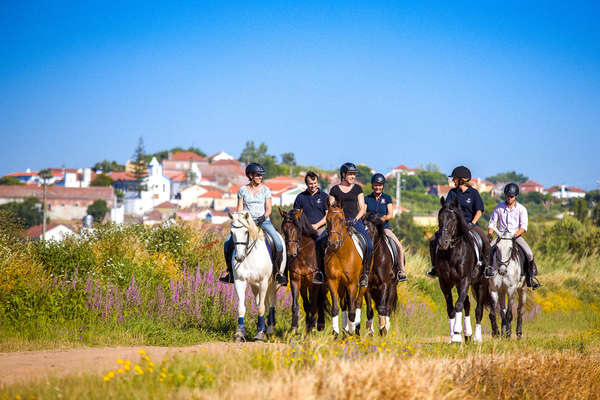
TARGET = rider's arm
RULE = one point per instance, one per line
(476, 217)
(322, 222)
(240, 205)
(362, 206)
(268, 206)
(389, 215)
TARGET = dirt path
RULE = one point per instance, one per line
(38, 365)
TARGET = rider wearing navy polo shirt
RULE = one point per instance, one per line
(471, 206)
(380, 204)
(313, 203)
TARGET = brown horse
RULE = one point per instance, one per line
(302, 264)
(382, 282)
(343, 266)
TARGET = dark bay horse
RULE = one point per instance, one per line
(302, 264)
(343, 266)
(455, 261)
(382, 282)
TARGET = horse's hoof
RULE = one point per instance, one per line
(270, 330)
(239, 337)
(477, 339)
(383, 332)
(456, 338)
(260, 337)
(467, 339)
(335, 334)
(320, 327)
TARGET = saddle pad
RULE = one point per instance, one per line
(477, 245)
(356, 238)
(270, 245)
(390, 246)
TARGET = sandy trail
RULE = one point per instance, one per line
(39, 365)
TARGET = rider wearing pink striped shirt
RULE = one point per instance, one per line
(512, 216)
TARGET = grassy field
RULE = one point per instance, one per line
(76, 295)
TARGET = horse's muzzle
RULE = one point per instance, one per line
(239, 259)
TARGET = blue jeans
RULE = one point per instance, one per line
(268, 227)
(360, 227)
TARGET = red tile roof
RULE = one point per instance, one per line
(212, 194)
(405, 168)
(166, 204)
(575, 189)
(32, 173)
(58, 192)
(175, 176)
(36, 231)
(530, 183)
(186, 156)
(153, 215)
(123, 176)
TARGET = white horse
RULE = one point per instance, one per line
(506, 283)
(252, 265)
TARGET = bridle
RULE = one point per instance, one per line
(445, 229)
(341, 238)
(246, 244)
(297, 241)
(505, 262)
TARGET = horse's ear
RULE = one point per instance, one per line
(230, 216)
(455, 203)
(442, 201)
(298, 213)
(247, 215)
(281, 212)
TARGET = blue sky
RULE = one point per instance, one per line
(496, 86)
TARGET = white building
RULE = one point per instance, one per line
(566, 192)
(55, 232)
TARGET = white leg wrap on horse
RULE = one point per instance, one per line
(370, 326)
(477, 338)
(387, 322)
(456, 335)
(335, 322)
(357, 317)
(345, 321)
(451, 323)
(468, 328)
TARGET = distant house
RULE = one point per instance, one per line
(531, 186)
(482, 185)
(566, 192)
(167, 209)
(67, 177)
(55, 232)
(153, 217)
(403, 169)
(220, 156)
(439, 190)
(64, 203)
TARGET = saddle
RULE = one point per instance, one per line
(359, 242)
(393, 249)
(477, 245)
(269, 241)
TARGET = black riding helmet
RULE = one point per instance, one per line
(461, 172)
(378, 178)
(348, 167)
(512, 189)
(254, 168)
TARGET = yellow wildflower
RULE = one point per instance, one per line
(120, 362)
(138, 369)
(142, 351)
(120, 370)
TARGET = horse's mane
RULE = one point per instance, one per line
(379, 224)
(245, 219)
(303, 223)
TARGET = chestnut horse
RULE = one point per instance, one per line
(382, 282)
(343, 266)
(302, 264)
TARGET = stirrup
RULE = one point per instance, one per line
(364, 280)
(281, 279)
(401, 277)
(318, 278)
(226, 279)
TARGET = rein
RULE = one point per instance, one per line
(300, 248)
(505, 262)
(339, 243)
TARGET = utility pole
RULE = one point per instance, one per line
(398, 192)
(44, 175)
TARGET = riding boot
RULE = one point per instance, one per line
(364, 277)
(228, 252)
(530, 278)
(319, 275)
(279, 277)
(400, 275)
(432, 273)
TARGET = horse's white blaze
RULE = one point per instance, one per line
(335, 322)
(468, 328)
(345, 321)
(477, 337)
(357, 318)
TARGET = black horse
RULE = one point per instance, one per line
(382, 281)
(455, 261)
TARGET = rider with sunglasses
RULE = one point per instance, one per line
(512, 216)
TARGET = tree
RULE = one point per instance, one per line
(108, 166)
(364, 174)
(580, 209)
(596, 215)
(412, 183)
(102, 180)
(432, 167)
(511, 176)
(251, 153)
(429, 178)
(139, 165)
(98, 210)
(408, 232)
(10, 180)
(593, 197)
(288, 158)
(28, 211)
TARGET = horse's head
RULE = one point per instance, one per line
(374, 224)
(243, 232)
(292, 230)
(336, 226)
(505, 250)
(451, 223)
